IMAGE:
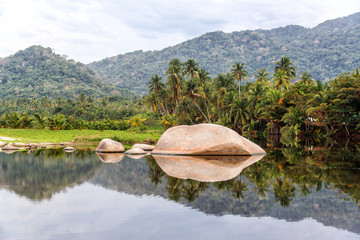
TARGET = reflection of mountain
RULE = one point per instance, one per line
(41, 174)
(252, 194)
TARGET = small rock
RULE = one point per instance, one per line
(110, 146)
(144, 147)
(69, 149)
(9, 148)
(136, 151)
(19, 144)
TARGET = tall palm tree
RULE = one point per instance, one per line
(286, 65)
(306, 78)
(174, 80)
(203, 76)
(221, 85)
(155, 84)
(282, 79)
(262, 76)
(191, 68)
(239, 73)
(239, 113)
(194, 92)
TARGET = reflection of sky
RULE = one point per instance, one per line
(91, 212)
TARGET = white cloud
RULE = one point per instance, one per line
(89, 30)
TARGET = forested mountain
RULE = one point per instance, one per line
(39, 72)
(324, 51)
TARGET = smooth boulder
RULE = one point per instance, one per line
(205, 139)
(145, 147)
(136, 151)
(110, 146)
(69, 149)
(10, 148)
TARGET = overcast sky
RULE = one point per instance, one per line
(90, 30)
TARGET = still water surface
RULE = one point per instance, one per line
(291, 193)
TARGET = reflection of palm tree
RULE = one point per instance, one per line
(174, 188)
(284, 192)
(239, 187)
(192, 189)
(155, 173)
(225, 185)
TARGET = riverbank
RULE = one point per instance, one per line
(76, 136)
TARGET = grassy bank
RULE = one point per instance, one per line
(45, 135)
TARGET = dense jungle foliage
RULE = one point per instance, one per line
(38, 72)
(285, 102)
(324, 51)
(85, 112)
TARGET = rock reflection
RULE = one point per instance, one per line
(110, 157)
(205, 168)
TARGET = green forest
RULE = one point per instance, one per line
(84, 112)
(285, 103)
(38, 72)
(323, 51)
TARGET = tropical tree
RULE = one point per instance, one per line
(262, 77)
(194, 92)
(155, 85)
(287, 66)
(239, 73)
(191, 69)
(175, 80)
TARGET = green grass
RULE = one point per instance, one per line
(45, 135)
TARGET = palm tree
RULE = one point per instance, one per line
(239, 73)
(203, 76)
(191, 68)
(175, 80)
(282, 79)
(262, 76)
(155, 85)
(287, 66)
(306, 78)
(194, 92)
(239, 113)
(221, 85)
(254, 96)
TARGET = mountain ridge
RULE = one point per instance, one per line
(38, 72)
(324, 51)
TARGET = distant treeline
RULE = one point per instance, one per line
(85, 112)
(284, 103)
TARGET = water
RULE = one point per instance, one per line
(291, 193)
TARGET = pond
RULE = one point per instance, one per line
(291, 193)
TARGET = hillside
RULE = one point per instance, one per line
(38, 72)
(324, 51)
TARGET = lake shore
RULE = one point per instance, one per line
(75, 137)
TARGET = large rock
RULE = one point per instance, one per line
(205, 139)
(110, 146)
(205, 168)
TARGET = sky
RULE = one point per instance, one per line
(91, 30)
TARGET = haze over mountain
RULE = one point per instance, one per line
(324, 51)
(38, 72)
